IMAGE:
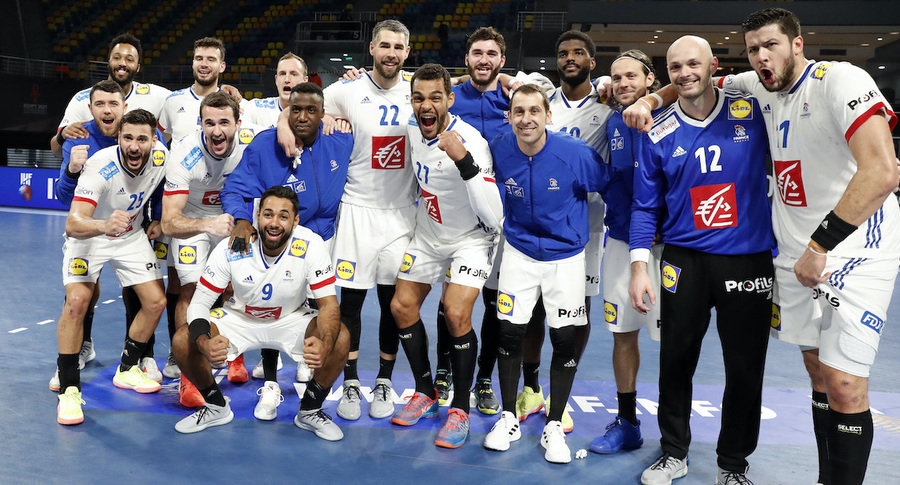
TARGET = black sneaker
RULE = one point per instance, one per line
(443, 383)
(487, 401)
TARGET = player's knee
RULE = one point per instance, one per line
(403, 312)
(626, 340)
(458, 318)
(511, 335)
(342, 344)
(181, 343)
(564, 342)
(77, 305)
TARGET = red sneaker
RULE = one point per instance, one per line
(188, 395)
(237, 372)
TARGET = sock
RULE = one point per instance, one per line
(849, 442)
(171, 303)
(463, 353)
(530, 375)
(562, 370)
(385, 368)
(69, 375)
(132, 306)
(628, 406)
(388, 340)
(350, 370)
(269, 364)
(313, 397)
(87, 325)
(509, 362)
(213, 395)
(415, 344)
(443, 340)
(490, 334)
(821, 418)
(351, 309)
(131, 353)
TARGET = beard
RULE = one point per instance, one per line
(385, 73)
(783, 79)
(495, 71)
(275, 245)
(575, 79)
(207, 82)
(125, 82)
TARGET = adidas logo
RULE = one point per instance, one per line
(616, 133)
(121, 191)
(181, 109)
(510, 181)
(291, 179)
(825, 224)
(679, 152)
(570, 364)
(248, 279)
(365, 100)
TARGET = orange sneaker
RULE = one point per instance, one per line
(188, 395)
(237, 371)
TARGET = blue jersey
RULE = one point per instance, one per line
(318, 178)
(705, 179)
(96, 141)
(486, 112)
(546, 194)
(623, 141)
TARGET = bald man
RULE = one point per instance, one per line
(701, 178)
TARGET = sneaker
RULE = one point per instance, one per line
(304, 373)
(206, 416)
(726, 477)
(382, 405)
(320, 423)
(620, 435)
(54, 381)
(134, 379)
(528, 402)
(188, 395)
(567, 423)
(553, 439)
(455, 431)
(171, 369)
(664, 470)
(419, 406)
(148, 365)
(87, 353)
(486, 399)
(269, 399)
(237, 372)
(68, 411)
(348, 408)
(505, 431)
(258, 370)
(443, 383)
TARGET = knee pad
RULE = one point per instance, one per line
(563, 340)
(511, 335)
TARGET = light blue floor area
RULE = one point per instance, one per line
(129, 438)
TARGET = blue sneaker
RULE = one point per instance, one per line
(455, 430)
(418, 406)
(620, 435)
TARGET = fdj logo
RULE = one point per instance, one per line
(670, 276)
(345, 270)
(872, 321)
(611, 312)
(187, 254)
(505, 303)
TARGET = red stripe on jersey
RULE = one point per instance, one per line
(176, 192)
(720, 83)
(891, 119)
(488, 179)
(322, 283)
(211, 286)
(83, 199)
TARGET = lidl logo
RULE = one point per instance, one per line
(740, 109)
(245, 136)
(161, 249)
(158, 157)
(299, 247)
(217, 313)
(820, 71)
(776, 316)
(78, 267)
(670, 276)
(406, 265)
(187, 254)
(505, 303)
(611, 312)
(142, 89)
(345, 270)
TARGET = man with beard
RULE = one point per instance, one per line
(271, 281)
(124, 63)
(290, 71)
(456, 226)
(104, 224)
(701, 172)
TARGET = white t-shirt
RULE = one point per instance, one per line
(145, 96)
(809, 128)
(262, 112)
(181, 114)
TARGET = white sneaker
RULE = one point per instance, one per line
(304, 373)
(209, 415)
(348, 408)
(553, 439)
(87, 353)
(664, 470)
(258, 372)
(171, 369)
(54, 381)
(320, 423)
(505, 431)
(725, 477)
(148, 365)
(269, 399)
(382, 405)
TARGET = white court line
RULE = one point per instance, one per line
(107, 302)
(45, 322)
(17, 330)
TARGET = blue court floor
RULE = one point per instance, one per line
(129, 438)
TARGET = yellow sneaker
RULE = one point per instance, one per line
(68, 411)
(567, 423)
(528, 402)
(135, 379)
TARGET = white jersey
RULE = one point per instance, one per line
(446, 210)
(809, 128)
(379, 175)
(109, 186)
(585, 119)
(193, 171)
(181, 114)
(268, 288)
(145, 96)
(262, 112)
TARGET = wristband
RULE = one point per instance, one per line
(73, 175)
(832, 231)
(60, 138)
(658, 98)
(198, 327)
(649, 106)
(814, 251)
(467, 167)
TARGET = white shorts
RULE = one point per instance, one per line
(523, 279)
(191, 255)
(165, 251)
(843, 316)
(426, 261)
(494, 276)
(369, 244)
(593, 255)
(244, 333)
(132, 259)
(620, 316)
